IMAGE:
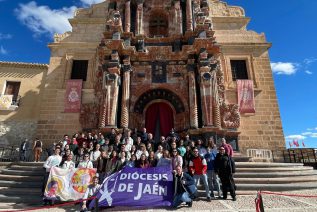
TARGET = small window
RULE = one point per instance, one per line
(12, 88)
(239, 69)
(79, 70)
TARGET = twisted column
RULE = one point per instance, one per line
(193, 108)
(127, 17)
(125, 96)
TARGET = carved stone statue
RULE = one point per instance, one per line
(230, 116)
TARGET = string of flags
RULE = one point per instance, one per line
(296, 143)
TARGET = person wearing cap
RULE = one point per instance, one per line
(225, 168)
(86, 163)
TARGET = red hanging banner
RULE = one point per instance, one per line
(73, 96)
(246, 96)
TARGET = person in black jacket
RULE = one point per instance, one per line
(225, 168)
(184, 188)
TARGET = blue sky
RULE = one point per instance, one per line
(27, 27)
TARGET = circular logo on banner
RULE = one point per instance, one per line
(54, 186)
(73, 95)
(81, 179)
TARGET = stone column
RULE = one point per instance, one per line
(127, 26)
(193, 108)
(206, 93)
(139, 18)
(125, 96)
(110, 102)
(189, 15)
(178, 17)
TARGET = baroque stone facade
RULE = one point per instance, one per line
(144, 52)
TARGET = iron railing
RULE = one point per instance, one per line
(13, 154)
(307, 156)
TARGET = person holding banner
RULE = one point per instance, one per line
(184, 187)
(52, 161)
(91, 190)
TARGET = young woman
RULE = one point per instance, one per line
(143, 162)
(152, 159)
(165, 160)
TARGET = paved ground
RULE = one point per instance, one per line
(244, 203)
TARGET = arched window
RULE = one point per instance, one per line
(158, 25)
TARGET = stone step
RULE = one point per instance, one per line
(29, 163)
(276, 187)
(13, 184)
(281, 180)
(19, 178)
(274, 174)
(17, 191)
(241, 158)
(22, 172)
(21, 198)
(26, 168)
(266, 165)
(275, 169)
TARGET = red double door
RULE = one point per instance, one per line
(159, 119)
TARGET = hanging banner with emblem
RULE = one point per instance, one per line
(5, 101)
(246, 96)
(73, 96)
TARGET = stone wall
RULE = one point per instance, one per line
(12, 133)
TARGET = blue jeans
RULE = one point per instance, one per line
(213, 182)
(179, 198)
(204, 178)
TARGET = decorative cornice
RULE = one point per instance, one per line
(23, 65)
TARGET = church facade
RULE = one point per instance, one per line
(155, 64)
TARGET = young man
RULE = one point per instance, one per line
(198, 168)
(91, 190)
(225, 168)
(184, 187)
(52, 161)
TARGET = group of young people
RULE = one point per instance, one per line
(192, 161)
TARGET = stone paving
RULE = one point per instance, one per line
(244, 203)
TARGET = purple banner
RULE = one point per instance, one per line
(137, 187)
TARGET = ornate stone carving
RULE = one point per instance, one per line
(230, 116)
(114, 22)
(89, 116)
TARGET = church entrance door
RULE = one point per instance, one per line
(159, 119)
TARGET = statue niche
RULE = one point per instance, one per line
(158, 24)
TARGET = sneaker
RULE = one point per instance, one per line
(208, 199)
(190, 204)
(234, 199)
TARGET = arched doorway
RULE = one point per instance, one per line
(159, 119)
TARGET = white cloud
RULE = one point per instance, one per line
(43, 20)
(308, 72)
(310, 60)
(5, 36)
(3, 50)
(313, 135)
(287, 68)
(295, 137)
(90, 2)
(307, 133)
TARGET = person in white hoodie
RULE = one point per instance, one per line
(52, 161)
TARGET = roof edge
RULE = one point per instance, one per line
(23, 65)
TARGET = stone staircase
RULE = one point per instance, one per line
(252, 176)
(20, 185)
